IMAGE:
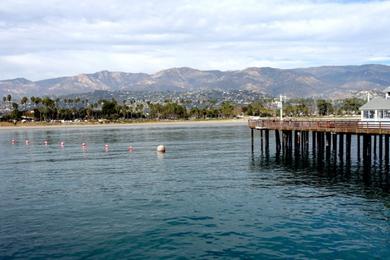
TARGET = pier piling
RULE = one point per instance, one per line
(329, 140)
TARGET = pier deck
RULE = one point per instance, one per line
(333, 126)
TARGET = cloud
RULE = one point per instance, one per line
(48, 38)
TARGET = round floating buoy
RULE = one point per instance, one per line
(83, 144)
(27, 142)
(62, 143)
(45, 142)
(130, 149)
(106, 146)
(13, 141)
(161, 148)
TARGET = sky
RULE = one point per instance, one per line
(50, 38)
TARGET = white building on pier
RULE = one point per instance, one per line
(377, 109)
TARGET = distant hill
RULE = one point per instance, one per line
(326, 81)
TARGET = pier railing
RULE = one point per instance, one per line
(345, 126)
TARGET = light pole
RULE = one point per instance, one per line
(280, 106)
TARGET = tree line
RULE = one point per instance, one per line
(45, 109)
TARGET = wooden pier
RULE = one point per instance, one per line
(326, 138)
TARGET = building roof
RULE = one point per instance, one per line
(376, 103)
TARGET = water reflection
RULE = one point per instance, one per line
(307, 165)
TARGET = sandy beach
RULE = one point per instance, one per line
(40, 125)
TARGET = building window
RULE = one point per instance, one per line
(369, 114)
(386, 113)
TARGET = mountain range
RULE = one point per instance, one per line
(325, 81)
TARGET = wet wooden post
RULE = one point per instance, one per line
(313, 142)
(341, 146)
(261, 140)
(374, 146)
(364, 147)
(307, 141)
(334, 143)
(358, 146)
(365, 144)
(287, 140)
(328, 144)
(387, 150)
(380, 140)
(368, 148)
(252, 138)
(320, 144)
(348, 146)
(266, 133)
(318, 134)
(284, 141)
(296, 142)
(334, 147)
(277, 141)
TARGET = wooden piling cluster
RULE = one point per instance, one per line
(327, 139)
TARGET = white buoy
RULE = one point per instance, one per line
(130, 149)
(27, 142)
(45, 142)
(62, 143)
(83, 144)
(161, 148)
(13, 141)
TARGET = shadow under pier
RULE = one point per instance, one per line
(363, 157)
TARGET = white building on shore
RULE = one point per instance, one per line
(377, 109)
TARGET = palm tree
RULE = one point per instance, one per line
(37, 100)
(23, 102)
(15, 106)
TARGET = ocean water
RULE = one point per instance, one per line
(209, 196)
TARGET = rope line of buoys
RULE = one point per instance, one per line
(160, 148)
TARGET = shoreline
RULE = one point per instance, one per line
(123, 124)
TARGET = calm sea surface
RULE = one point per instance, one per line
(209, 196)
